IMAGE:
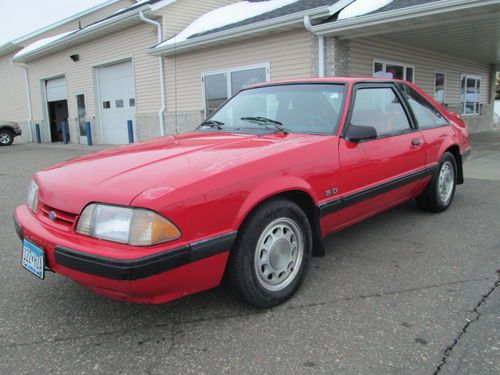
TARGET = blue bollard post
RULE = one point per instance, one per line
(88, 131)
(38, 135)
(64, 129)
(130, 131)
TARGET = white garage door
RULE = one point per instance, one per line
(56, 89)
(116, 101)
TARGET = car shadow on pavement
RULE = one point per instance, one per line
(220, 303)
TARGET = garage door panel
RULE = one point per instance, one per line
(117, 101)
(118, 87)
(56, 89)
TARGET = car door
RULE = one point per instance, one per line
(377, 173)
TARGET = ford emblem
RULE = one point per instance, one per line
(52, 215)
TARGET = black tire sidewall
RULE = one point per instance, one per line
(246, 244)
(446, 157)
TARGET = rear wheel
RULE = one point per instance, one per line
(272, 254)
(6, 137)
(438, 195)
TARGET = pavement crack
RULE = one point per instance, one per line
(476, 315)
(385, 294)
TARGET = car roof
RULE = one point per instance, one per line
(350, 80)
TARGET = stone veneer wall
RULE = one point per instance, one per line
(337, 57)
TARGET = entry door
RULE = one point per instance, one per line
(379, 173)
(57, 106)
(116, 101)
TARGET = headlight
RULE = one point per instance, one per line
(133, 226)
(32, 199)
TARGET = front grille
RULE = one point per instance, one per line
(61, 217)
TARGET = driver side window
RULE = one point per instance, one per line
(380, 108)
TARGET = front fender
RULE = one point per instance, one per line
(268, 189)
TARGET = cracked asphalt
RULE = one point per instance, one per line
(405, 292)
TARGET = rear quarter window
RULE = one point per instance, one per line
(425, 113)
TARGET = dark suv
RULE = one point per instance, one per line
(8, 131)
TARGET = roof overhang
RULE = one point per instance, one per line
(94, 31)
(15, 44)
(8, 48)
(464, 28)
(283, 23)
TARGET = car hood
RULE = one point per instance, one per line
(118, 175)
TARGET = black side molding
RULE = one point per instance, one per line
(351, 199)
(140, 268)
(213, 246)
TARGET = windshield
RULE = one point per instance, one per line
(296, 108)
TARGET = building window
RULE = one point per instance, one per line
(82, 112)
(215, 91)
(385, 69)
(440, 86)
(119, 103)
(106, 104)
(470, 95)
(221, 85)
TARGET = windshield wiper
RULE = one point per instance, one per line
(213, 124)
(266, 121)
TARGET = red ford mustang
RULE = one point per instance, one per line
(250, 194)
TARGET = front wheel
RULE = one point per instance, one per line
(438, 195)
(272, 254)
(6, 137)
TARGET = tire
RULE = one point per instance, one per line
(438, 195)
(274, 239)
(6, 137)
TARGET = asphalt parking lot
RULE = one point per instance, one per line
(405, 292)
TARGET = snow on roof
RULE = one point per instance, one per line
(226, 15)
(42, 16)
(361, 7)
(41, 43)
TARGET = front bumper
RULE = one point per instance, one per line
(146, 275)
(17, 132)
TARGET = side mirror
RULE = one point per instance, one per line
(358, 133)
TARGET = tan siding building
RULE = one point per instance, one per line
(462, 81)
(125, 46)
(13, 96)
(185, 101)
(13, 99)
(365, 51)
(109, 73)
(128, 43)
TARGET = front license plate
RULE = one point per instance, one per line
(33, 259)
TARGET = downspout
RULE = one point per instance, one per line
(162, 73)
(28, 96)
(321, 46)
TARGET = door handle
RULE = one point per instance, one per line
(416, 142)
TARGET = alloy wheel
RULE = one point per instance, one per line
(278, 254)
(446, 182)
(5, 138)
